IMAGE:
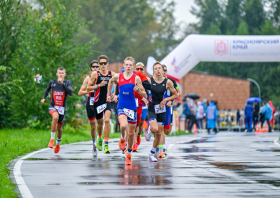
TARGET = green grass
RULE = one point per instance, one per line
(18, 142)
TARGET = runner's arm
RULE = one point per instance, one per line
(68, 88)
(47, 91)
(170, 86)
(141, 90)
(115, 80)
(146, 84)
(83, 88)
(91, 82)
(177, 88)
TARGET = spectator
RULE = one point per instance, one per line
(238, 117)
(187, 114)
(212, 115)
(248, 116)
(266, 114)
(204, 104)
(199, 115)
(192, 108)
(273, 112)
(256, 114)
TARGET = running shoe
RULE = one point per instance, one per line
(135, 148)
(152, 158)
(138, 140)
(51, 143)
(99, 144)
(165, 151)
(106, 149)
(128, 160)
(94, 152)
(161, 154)
(56, 148)
(148, 134)
(122, 144)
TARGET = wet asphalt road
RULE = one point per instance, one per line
(222, 165)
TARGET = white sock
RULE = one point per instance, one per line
(153, 150)
(93, 140)
(163, 146)
(52, 135)
(123, 137)
(58, 141)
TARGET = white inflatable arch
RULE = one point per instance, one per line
(218, 48)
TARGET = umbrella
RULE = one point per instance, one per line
(254, 99)
(193, 96)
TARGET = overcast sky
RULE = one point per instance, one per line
(183, 13)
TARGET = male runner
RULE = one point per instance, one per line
(101, 79)
(90, 102)
(128, 83)
(156, 109)
(60, 90)
(169, 115)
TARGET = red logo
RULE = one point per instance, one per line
(221, 47)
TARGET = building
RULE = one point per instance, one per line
(228, 93)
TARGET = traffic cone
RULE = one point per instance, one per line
(266, 129)
(194, 128)
(258, 128)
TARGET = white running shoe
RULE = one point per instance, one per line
(148, 134)
(152, 158)
(94, 152)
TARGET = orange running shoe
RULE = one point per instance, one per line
(161, 154)
(128, 160)
(56, 148)
(122, 144)
(135, 148)
(51, 143)
(138, 140)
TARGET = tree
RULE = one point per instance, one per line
(233, 15)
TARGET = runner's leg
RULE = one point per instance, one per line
(107, 129)
(55, 117)
(99, 130)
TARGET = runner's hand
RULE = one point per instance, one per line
(115, 99)
(60, 80)
(169, 104)
(136, 88)
(108, 98)
(162, 103)
(102, 84)
(146, 101)
(42, 101)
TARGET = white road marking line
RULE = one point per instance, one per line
(221, 172)
(276, 141)
(23, 188)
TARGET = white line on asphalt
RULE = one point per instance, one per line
(221, 172)
(276, 141)
(24, 190)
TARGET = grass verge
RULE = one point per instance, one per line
(18, 142)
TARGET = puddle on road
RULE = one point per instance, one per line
(269, 150)
(204, 140)
(230, 165)
(272, 182)
(263, 142)
(195, 149)
(196, 157)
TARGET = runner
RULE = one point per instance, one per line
(101, 79)
(156, 109)
(169, 115)
(60, 90)
(89, 103)
(128, 83)
(141, 103)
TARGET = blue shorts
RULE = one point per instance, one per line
(129, 120)
(168, 122)
(144, 114)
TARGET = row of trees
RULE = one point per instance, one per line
(242, 17)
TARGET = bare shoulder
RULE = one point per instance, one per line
(116, 77)
(138, 79)
(113, 73)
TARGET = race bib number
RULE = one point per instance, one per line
(60, 110)
(159, 110)
(136, 100)
(129, 113)
(101, 108)
(91, 100)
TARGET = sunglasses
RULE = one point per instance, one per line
(139, 69)
(103, 63)
(165, 70)
(94, 66)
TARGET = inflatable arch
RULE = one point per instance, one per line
(218, 48)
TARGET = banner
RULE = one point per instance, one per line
(218, 48)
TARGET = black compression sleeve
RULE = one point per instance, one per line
(146, 84)
(47, 91)
(68, 88)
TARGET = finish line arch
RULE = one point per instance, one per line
(197, 48)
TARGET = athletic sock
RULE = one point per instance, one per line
(160, 147)
(58, 141)
(153, 150)
(129, 151)
(93, 141)
(123, 137)
(100, 136)
(164, 146)
(157, 149)
(52, 135)
(106, 141)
